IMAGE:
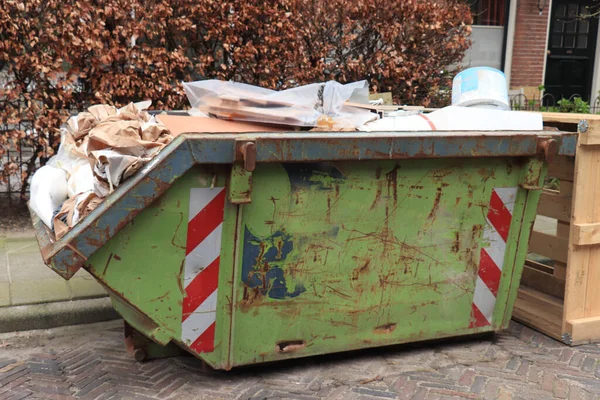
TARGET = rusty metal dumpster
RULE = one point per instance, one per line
(250, 248)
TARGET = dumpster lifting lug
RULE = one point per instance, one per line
(240, 180)
(533, 174)
(547, 148)
(245, 151)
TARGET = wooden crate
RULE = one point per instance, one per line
(563, 300)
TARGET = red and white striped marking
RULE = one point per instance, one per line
(491, 261)
(201, 276)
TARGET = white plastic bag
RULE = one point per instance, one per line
(68, 154)
(81, 178)
(303, 106)
(48, 192)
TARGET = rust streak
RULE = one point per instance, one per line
(456, 243)
(164, 296)
(396, 206)
(176, 231)
(180, 278)
(377, 195)
(338, 292)
(107, 262)
(392, 179)
(357, 271)
(436, 203)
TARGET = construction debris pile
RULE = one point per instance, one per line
(99, 149)
(318, 104)
(102, 147)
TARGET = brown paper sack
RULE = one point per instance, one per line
(121, 136)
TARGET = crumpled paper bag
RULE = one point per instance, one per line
(112, 167)
(73, 210)
(124, 137)
(100, 148)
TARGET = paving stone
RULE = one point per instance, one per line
(561, 389)
(39, 291)
(4, 294)
(577, 359)
(82, 288)
(21, 244)
(28, 266)
(478, 385)
(4, 277)
(589, 364)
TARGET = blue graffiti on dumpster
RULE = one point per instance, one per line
(260, 269)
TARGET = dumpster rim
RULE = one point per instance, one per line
(67, 255)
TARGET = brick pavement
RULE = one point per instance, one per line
(89, 362)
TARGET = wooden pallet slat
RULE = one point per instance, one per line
(539, 310)
(543, 282)
(555, 206)
(562, 167)
(548, 245)
(538, 266)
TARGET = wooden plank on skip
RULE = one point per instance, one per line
(386, 97)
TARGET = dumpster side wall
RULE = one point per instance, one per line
(327, 257)
(169, 271)
(340, 256)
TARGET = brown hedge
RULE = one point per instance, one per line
(58, 56)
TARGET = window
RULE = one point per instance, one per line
(570, 28)
(488, 12)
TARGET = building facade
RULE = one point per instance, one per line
(549, 43)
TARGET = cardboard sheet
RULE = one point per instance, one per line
(178, 124)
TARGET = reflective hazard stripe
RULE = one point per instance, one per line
(491, 261)
(201, 270)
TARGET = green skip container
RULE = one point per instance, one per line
(256, 247)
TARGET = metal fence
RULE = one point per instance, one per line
(548, 103)
(14, 191)
(13, 188)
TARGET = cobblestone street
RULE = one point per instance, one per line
(89, 362)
